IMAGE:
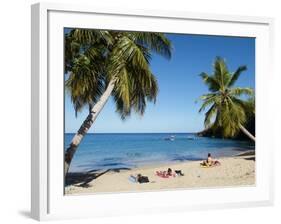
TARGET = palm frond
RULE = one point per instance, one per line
(84, 84)
(236, 75)
(210, 81)
(123, 89)
(209, 115)
(241, 91)
(221, 73)
(129, 52)
(156, 42)
(207, 102)
(87, 36)
(208, 95)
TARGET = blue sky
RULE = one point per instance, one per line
(179, 86)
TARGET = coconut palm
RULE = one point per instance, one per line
(227, 112)
(101, 64)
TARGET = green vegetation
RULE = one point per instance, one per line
(101, 64)
(227, 112)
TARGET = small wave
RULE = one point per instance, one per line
(112, 159)
(113, 164)
(186, 158)
(243, 149)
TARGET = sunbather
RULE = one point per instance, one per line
(139, 179)
(210, 162)
(166, 174)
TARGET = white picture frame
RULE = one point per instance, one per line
(48, 201)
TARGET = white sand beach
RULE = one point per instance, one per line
(233, 171)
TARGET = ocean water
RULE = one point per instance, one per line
(112, 151)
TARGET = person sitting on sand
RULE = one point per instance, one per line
(169, 172)
(210, 161)
(138, 178)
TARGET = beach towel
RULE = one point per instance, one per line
(132, 179)
(164, 174)
(205, 165)
(217, 163)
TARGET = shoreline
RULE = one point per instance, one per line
(250, 152)
(238, 170)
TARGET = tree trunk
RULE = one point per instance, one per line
(88, 122)
(246, 132)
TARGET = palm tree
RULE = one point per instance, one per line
(227, 112)
(101, 64)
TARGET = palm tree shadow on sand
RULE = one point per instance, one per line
(251, 158)
(83, 179)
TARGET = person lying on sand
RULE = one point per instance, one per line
(139, 179)
(169, 173)
(166, 173)
(210, 162)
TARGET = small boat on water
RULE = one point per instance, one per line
(190, 138)
(171, 138)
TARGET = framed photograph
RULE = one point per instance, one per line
(139, 111)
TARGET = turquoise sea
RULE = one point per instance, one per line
(110, 151)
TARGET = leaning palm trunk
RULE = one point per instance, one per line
(94, 112)
(246, 132)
